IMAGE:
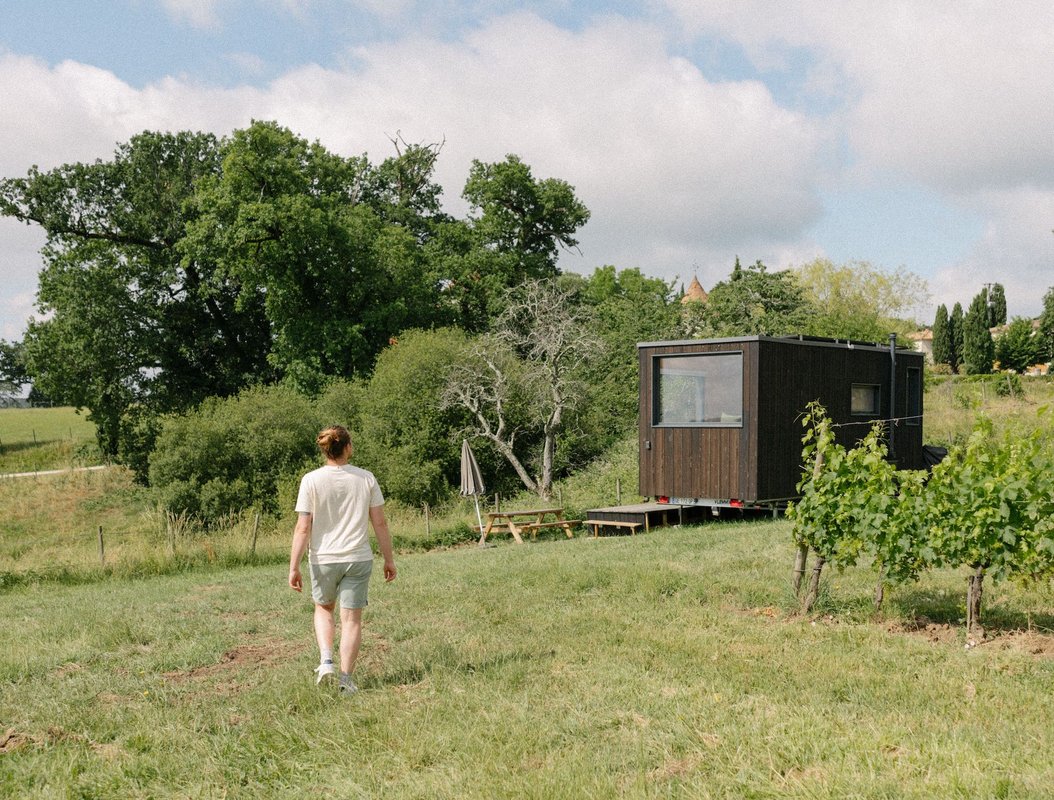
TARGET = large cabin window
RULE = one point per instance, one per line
(699, 390)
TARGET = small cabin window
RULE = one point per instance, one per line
(699, 390)
(914, 396)
(865, 400)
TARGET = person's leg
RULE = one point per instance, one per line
(354, 596)
(324, 627)
(350, 638)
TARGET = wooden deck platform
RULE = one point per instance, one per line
(648, 515)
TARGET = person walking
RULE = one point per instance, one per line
(334, 505)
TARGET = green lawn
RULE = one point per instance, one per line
(33, 439)
(663, 665)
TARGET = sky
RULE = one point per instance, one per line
(904, 134)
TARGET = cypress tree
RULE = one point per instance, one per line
(1046, 323)
(942, 337)
(996, 306)
(955, 325)
(978, 347)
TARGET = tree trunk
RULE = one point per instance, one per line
(880, 589)
(975, 588)
(814, 584)
(801, 560)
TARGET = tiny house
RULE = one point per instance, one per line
(720, 419)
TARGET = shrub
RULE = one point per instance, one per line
(407, 438)
(229, 454)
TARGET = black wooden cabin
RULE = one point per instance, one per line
(720, 419)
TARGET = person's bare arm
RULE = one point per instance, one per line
(301, 538)
(384, 540)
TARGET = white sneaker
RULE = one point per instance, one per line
(326, 672)
(347, 686)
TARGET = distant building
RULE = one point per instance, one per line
(923, 342)
(695, 293)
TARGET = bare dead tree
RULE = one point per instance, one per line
(529, 363)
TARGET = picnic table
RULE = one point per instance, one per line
(527, 520)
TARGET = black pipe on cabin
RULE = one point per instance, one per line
(892, 394)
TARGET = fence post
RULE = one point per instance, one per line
(171, 532)
(102, 549)
(256, 530)
(428, 522)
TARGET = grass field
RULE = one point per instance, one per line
(671, 664)
(664, 665)
(33, 439)
(952, 405)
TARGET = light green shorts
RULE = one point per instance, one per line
(350, 580)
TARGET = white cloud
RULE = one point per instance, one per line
(951, 94)
(19, 261)
(677, 170)
(673, 166)
(682, 173)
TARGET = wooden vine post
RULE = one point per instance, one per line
(975, 588)
(256, 531)
(814, 584)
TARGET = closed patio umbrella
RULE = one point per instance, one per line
(471, 479)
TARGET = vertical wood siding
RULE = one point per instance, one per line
(762, 460)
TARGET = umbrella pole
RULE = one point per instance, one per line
(479, 519)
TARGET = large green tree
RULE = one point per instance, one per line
(978, 348)
(189, 266)
(859, 301)
(752, 301)
(285, 218)
(518, 225)
(955, 322)
(128, 317)
(1046, 324)
(996, 305)
(942, 337)
(1020, 346)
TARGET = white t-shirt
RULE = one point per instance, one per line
(339, 500)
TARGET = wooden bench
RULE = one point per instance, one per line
(527, 520)
(614, 523)
(566, 524)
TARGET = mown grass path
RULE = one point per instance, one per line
(665, 665)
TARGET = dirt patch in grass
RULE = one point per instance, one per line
(935, 632)
(1031, 642)
(12, 740)
(241, 659)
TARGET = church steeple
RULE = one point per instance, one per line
(695, 293)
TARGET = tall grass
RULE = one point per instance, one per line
(662, 665)
(50, 531)
(953, 403)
